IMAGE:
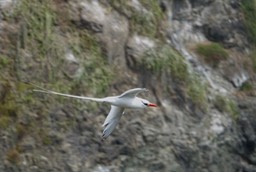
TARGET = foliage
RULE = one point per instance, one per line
(8, 105)
(249, 11)
(247, 86)
(39, 36)
(169, 62)
(166, 60)
(253, 59)
(144, 21)
(95, 73)
(4, 121)
(213, 53)
(196, 91)
(37, 31)
(4, 61)
(224, 104)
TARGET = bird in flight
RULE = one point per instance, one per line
(118, 104)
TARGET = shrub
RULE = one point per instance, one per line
(4, 122)
(249, 11)
(247, 86)
(224, 104)
(36, 31)
(144, 22)
(213, 53)
(196, 91)
(39, 36)
(166, 60)
(12, 155)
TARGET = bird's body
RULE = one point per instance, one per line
(118, 104)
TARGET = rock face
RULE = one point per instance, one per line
(218, 21)
(225, 26)
(52, 134)
(112, 28)
(137, 46)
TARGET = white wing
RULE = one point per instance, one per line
(43, 90)
(112, 120)
(133, 92)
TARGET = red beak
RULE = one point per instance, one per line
(152, 105)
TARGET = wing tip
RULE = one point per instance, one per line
(103, 138)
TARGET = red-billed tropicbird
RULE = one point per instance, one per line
(118, 103)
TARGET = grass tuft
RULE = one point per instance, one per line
(224, 104)
(166, 60)
(213, 53)
(145, 21)
(247, 86)
(37, 19)
(197, 92)
(249, 11)
(5, 122)
(12, 155)
(96, 74)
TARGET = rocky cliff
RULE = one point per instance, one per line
(196, 57)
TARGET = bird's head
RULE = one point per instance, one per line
(148, 104)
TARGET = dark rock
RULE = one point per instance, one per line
(216, 33)
(196, 3)
(234, 71)
(235, 4)
(28, 143)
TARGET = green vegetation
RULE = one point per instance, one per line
(253, 59)
(144, 22)
(213, 53)
(96, 74)
(165, 59)
(168, 61)
(4, 122)
(37, 31)
(34, 50)
(224, 104)
(247, 86)
(8, 106)
(4, 61)
(45, 138)
(249, 11)
(39, 36)
(197, 92)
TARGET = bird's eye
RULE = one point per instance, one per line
(146, 104)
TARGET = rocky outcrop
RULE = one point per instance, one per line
(51, 134)
(112, 28)
(218, 21)
(136, 48)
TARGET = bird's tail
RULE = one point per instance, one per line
(43, 90)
